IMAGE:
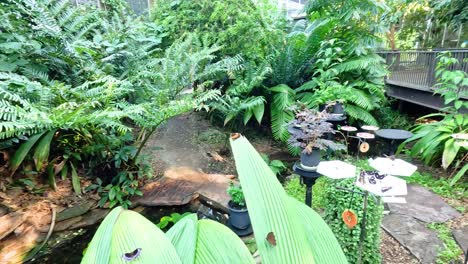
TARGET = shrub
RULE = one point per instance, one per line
(76, 81)
(242, 27)
(336, 202)
(297, 190)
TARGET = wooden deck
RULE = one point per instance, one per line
(412, 75)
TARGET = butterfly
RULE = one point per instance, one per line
(271, 238)
(132, 255)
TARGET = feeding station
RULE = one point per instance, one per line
(370, 129)
(394, 137)
(363, 144)
(311, 132)
(381, 183)
(308, 177)
(336, 119)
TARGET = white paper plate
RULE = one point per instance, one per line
(395, 167)
(336, 169)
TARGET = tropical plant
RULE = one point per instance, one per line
(276, 166)
(392, 118)
(425, 24)
(321, 67)
(171, 219)
(189, 241)
(296, 239)
(338, 201)
(356, 81)
(247, 28)
(237, 196)
(445, 141)
(239, 100)
(308, 129)
(358, 23)
(286, 231)
(76, 81)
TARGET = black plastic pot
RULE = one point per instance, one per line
(322, 107)
(312, 159)
(338, 108)
(239, 218)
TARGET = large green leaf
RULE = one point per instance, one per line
(258, 111)
(75, 179)
(450, 152)
(124, 231)
(207, 242)
(459, 174)
(301, 237)
(22, 151)
(41, 153)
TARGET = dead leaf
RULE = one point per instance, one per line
(216, 156)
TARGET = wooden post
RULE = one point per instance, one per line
(459, 34)
(150, 5)
(443, 35)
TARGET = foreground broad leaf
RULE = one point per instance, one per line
(124, 231)
(285, 231)
(207, 242)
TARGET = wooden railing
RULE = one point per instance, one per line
(415, 69)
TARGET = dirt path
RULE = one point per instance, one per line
(187, 141)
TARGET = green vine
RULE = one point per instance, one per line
(336, 202)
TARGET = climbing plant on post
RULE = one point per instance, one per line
(337, 201)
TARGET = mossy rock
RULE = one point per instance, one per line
(213, 137)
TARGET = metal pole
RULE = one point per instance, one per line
(363, 227)
(149, 7)
(308, 196)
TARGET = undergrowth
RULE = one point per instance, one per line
(451, 251)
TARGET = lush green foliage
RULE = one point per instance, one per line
(241, 27)
(75, 81)
(446, 141)
(237, 196)
(451, 251)
(329, 58)
(276, 166)
(296, 189)
(392, 118)
(285, 229)
(336, 202)
(171, 219)
(425, 24)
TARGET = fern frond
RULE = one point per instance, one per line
(283, 98)
(359, 63)
(361, 99)
(361, 114)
